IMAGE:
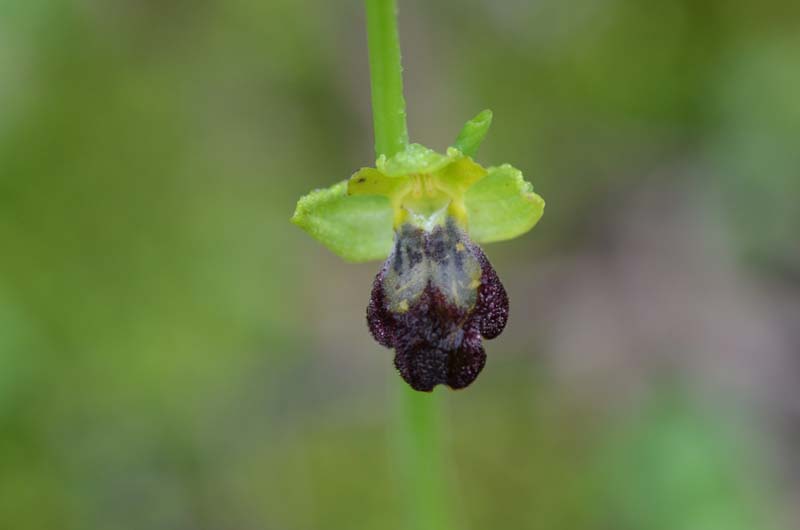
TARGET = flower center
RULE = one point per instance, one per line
(425, 201)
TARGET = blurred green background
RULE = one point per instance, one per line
(175, 355)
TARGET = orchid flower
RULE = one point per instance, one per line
(436, 296)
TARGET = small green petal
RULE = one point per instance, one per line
(370, 181)
(502, 205)
(473, 133)
(415, 159)
(355, 227)
(460, 174)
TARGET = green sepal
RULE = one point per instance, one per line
(502, 205)
(473, 133)
(415, 159)
(355, 227)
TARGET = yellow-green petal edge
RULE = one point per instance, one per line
(502, 205)
(355, 227)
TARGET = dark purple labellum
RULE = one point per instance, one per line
(434, 300)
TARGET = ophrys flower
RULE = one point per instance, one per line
(436, 295)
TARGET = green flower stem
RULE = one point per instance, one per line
(386, 74)
(418, 460)
(417, 432)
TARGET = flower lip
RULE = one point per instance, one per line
(433, 301)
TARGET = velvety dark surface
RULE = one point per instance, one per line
(436, 339)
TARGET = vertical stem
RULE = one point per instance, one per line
(416, 437)
(417, 449)
(386, 74)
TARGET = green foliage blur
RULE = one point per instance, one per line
(175, 354)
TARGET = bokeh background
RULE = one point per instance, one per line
(174, 354)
